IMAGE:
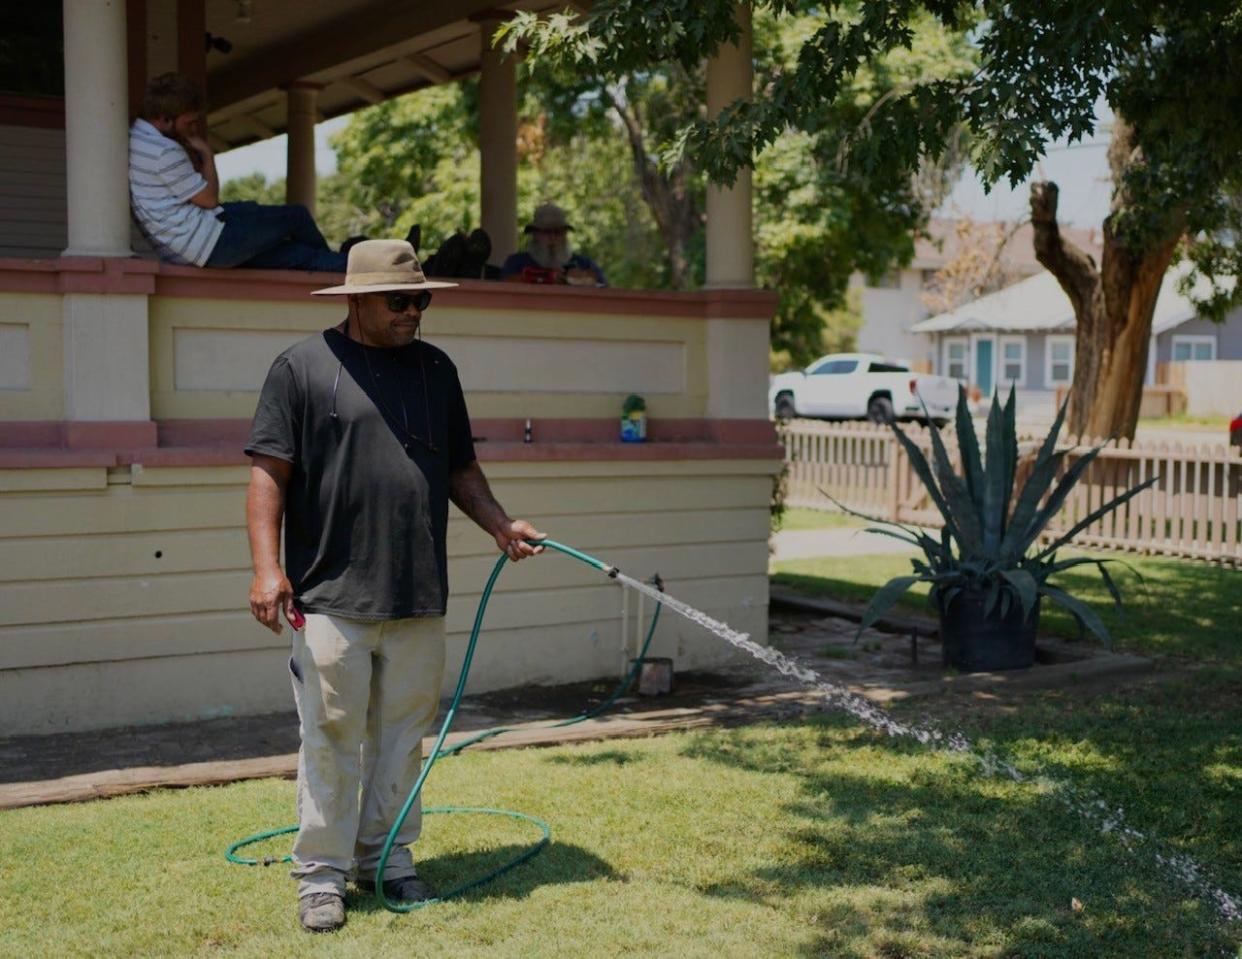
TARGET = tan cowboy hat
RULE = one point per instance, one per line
(549, 216)
(381, 266)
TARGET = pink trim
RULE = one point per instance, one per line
(54, 459)
(79, 274)
(184, 456)
(219, 442)
(31, 434)
(202, 283)
(609, 452)
(137, 275)
(108, 435)
(213, 432)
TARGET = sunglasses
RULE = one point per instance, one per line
(400, 302)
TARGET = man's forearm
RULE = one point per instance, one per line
(469, 490)
(265, 509)
(209, 172)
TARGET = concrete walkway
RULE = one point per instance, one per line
(814, 543)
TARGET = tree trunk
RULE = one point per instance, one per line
(1113, 303)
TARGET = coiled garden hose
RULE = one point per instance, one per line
(438, 750)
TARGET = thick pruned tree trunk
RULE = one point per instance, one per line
(1113, 302)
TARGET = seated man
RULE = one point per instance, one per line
(548, 257)
(175, 194)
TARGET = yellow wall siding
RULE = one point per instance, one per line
(208, 357)
(31, 324)
(97, 630)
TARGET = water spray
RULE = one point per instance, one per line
(1107, 820)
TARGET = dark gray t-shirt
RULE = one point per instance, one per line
(366, 512)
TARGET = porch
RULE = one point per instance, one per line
(126, 388)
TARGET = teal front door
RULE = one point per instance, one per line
(984, 362)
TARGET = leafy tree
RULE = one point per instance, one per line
(817, 218)
(412, 160)
(253, 186)
(1170, 70)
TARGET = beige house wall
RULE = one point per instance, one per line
(123, 589)
(209, 357)
(31, 357)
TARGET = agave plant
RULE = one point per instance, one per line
(985, 545)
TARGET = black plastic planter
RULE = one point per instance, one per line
(974, 642)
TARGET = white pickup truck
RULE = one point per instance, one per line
(861, 386)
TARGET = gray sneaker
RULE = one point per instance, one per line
(321, 912)
(405, 889)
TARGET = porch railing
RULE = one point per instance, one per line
(1194, 509)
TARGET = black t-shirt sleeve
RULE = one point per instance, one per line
(461, 444)
(277, 419)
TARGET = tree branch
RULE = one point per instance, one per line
(1074, 269)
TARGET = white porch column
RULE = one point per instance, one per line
(498, 144)
(730, 244)
(300, 104)
(96, 128)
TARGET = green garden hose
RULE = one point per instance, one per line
(438, 750)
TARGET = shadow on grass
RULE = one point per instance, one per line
(558, 863)
(908, 852)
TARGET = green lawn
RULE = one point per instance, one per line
(800, 518)
(1182, 608)
(817, 838)
(1202, 422)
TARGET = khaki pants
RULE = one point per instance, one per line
(366, 693)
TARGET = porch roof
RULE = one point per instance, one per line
(359, 52)
(1039, 305)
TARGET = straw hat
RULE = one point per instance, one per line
(381, 266)
(549, 216)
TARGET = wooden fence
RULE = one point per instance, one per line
(1193, 510)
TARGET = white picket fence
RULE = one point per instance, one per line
(1193, 510)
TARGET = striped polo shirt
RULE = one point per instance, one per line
(161, 181)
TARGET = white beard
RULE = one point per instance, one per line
(550, 256)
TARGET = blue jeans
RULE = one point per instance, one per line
(274, 238)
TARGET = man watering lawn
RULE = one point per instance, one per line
(360, 439)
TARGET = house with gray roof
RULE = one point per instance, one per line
(1023, 335)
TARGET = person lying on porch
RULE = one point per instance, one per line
(549, 257)
(174, 191)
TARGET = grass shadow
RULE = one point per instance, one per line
(558, 863)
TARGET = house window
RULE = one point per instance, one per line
(1193, 348)
(1059, 360)
(956, 359)
(1013, 361)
